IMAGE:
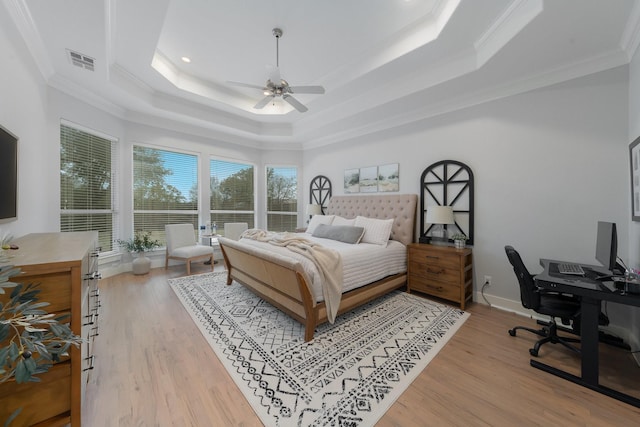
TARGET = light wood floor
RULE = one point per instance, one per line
(154, 368)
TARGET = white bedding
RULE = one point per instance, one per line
(362, 263)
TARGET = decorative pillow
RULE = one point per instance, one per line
(341, 233)
(376, 231)
(338, 220)
(317, 220)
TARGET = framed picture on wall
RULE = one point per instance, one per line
(388, 177)
(369, 179)
(634, 158)
(352, 181)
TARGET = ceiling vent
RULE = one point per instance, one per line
(81, 60)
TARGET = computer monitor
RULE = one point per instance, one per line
(607, 247)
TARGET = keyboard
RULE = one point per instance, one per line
(566, 268)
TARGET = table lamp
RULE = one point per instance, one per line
(439, 215)
(313, 209)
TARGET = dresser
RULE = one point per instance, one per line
(66, 267)
(441, 271)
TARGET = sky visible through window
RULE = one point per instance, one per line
(184, 168)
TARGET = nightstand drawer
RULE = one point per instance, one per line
(432, 257)
(447, 291)
(440, 272)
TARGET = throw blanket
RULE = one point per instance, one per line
(327, 261)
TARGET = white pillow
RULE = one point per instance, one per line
(338, 220)
(376, 231)
(317, 220)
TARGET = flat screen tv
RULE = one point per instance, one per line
(8, 175)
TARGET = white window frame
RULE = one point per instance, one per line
(115, 161)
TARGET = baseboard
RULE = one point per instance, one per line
(517, 308)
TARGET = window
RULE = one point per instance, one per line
(232, 194)
(88, 183)
(282, 198)
(165, 190)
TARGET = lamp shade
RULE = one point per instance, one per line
(440, 215)
(313, 209)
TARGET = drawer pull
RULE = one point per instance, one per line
(91, 359)
(432, 257)
(93, 276)
(92, 320)
(440, 271)
(436, 288)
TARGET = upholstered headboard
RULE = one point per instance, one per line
(400, 207)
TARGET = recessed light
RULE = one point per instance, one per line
(186, 59)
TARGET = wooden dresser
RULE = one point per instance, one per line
(66, 267)
(441, 271)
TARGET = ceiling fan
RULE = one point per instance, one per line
(278, 87)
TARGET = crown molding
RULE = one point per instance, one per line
(631, 36)
(23, 20)
(515, 17)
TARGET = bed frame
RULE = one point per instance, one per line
(281, 280)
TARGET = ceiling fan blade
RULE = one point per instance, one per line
(307, 89)
(245, 85)
(264, 101)
(296, 104)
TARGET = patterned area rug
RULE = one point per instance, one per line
(349, 375)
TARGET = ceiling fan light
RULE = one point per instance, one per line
(266, 92)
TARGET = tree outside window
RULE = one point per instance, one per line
(232, 193)
(163, 190)
(282, 200)
(87, 184)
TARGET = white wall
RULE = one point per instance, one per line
(23, 102)
(548, 165)
(634, 132)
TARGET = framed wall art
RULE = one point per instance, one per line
(369, 179)
(388, 177)
(352, 181)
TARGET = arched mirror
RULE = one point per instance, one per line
(447, 183)
(320, 192)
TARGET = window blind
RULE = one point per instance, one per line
(232, 193)
(88, 172)
(282, 202)
(165, 190)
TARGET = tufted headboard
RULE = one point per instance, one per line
(401, 207)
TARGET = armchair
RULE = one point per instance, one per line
(181, 245)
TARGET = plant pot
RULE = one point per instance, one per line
(141, 264)
(459, 244)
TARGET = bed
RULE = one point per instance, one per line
(283, 281)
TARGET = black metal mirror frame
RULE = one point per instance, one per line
(320, 192)
(452, 175)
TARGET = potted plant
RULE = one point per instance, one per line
(140, 243)
(459, 240)
(31, 339)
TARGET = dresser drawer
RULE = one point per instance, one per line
(432, 271)
(435, 257)
(447, 291)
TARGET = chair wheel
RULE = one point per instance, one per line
(512, 332)
(533, 352)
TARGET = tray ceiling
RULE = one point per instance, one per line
(383, 63)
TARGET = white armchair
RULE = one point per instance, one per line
(182, 246)
(233, 230)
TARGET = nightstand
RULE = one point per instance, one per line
(441, 271)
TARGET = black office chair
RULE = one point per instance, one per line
(552, 304)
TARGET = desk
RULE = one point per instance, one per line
(592, 293)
